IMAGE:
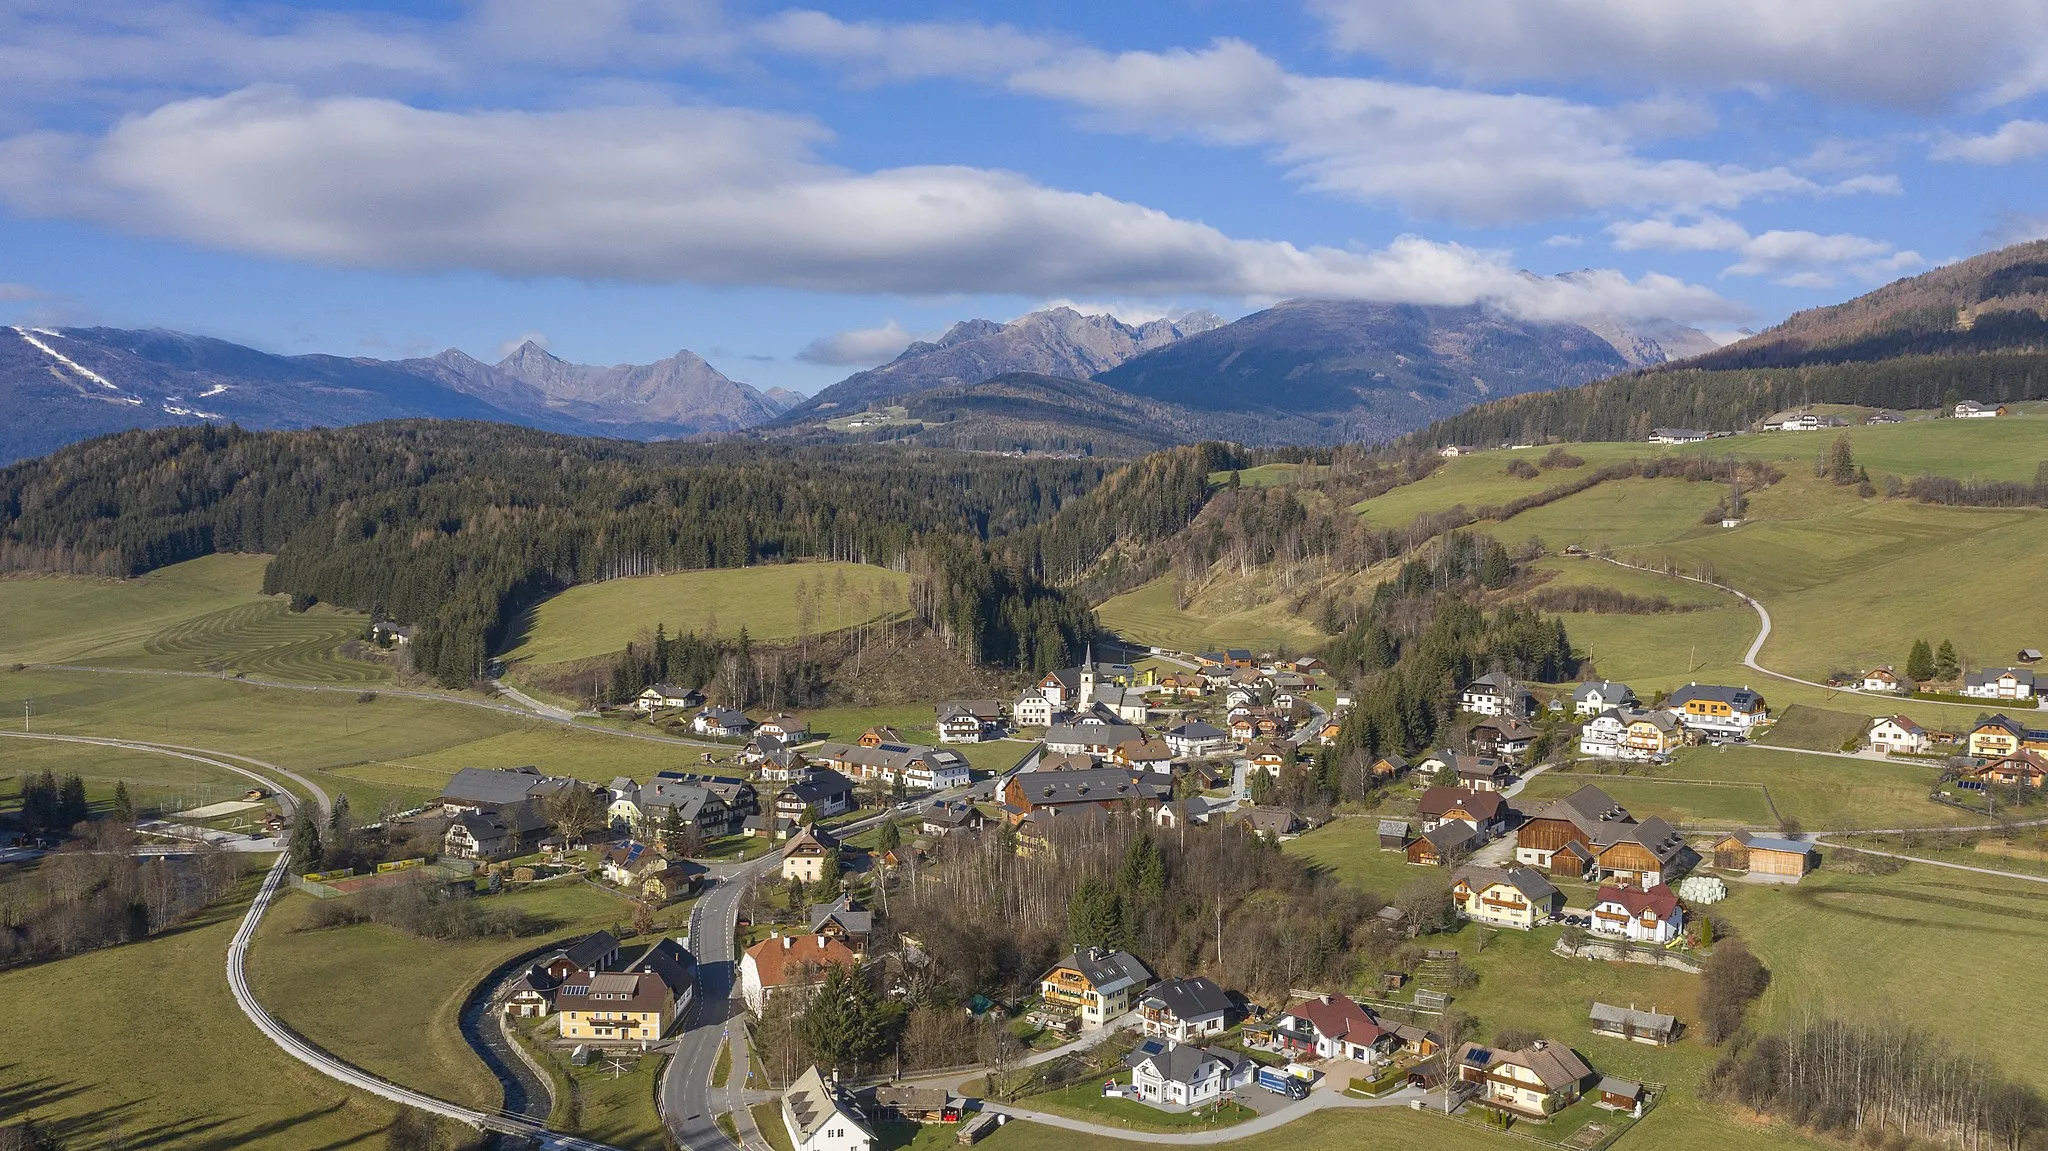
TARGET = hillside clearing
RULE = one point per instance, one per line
(54, 618)
(600, 618)
(1240, 617)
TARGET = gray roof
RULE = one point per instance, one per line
(1394, 827)
(819, 783)
(1526, 880)
(1589, 809)
(1497, 682)
(1615, 1085)
(1991, 674)
(1084, 734)
(1772, 843)
(1180, 1062)
(857, 920)
(590, 951)
(1738, 697)
(1656, 836)
(1649, 1022)
(1198, 730)
(1456, 835)
(493, 787)
(1189, 999)
(812, 1102)
(1094, 785)
(1108, 971)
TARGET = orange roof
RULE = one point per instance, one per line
(782, 958)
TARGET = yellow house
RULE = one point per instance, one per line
(1653, 733)
(1538, 1081)
(810, 854)
(1519, 897)
(637, 1005)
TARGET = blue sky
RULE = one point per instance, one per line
(794, 192)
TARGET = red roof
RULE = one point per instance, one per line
(1339, 1017)
(784, 959)
(1659, 899)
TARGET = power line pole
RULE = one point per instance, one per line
(25, 705)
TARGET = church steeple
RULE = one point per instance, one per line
(1087, 688)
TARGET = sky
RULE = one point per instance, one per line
(797, 192)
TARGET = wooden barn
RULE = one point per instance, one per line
(1761, 855)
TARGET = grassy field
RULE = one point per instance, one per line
(617, 1108)
(1616, 514)
(1731, 804)
(596, 619)
(1817, 728)
(171, 1063)
(46, 618)
(1349, 849)
(264, 639)
(1820, 791)
(389, 1002)
(1273, 475)
(1086, 1101)
(1664, 651)
(1149, 615)
(157, 783)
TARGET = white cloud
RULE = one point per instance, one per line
(904, 51)
(18, 292)
(1796, 257)
(858, 347)
(1901, 53)
(1439, 153)
(708, 195)
(2014, 140)
(1565, 240)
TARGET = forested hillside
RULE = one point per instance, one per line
(1972, 330)
(458, 526)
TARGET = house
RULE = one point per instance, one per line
(1885, 416)
(1267, 755)
(810, 855)
(1032, 709)
(1677, 436)
(820, 1117)
(1800, 422)
(1495, 693)
(1183, 685)
(531, 996)
(900, 1103)
(970, 720)
(667, 800)
(814, 793)
(1473, 772)
(1097, 985)
(1644, 855)
(2023, 768)
(1116, 787)
(1504, 738)
(1129, 704)
(1605, 734)
(1996, 735)
(1274, 823)
(913, 766)
(1453, 451)
(1151, 755)
(943, 819)
(1639, 915)
(1196, 738)
(483, 789)
(1175, 1074)
(1094, 738)
(1326, 735)
(1999, 683)
(1394, 835)
(1633, 1025)
(1884, 679)
(1485, 812)
(723, 722)
(664, 696)
(782, 963)
(392, 633)
(2028, 655)
(641, 1003)
(1537, 1081)
(1586, 817)
(1443, 843)
(843, 919)
(1972, 410)
(629, 863)
(495, 834)
(1184, 1010)
(787, 728)
(1332, 1027)
(1596, 696)
(1765, 856)
(779, 764)
(1713, 707)
(1650, 734)
(1519, 897)
(1390, 766)
(678, 879)
(1896, 733)
(598, 951)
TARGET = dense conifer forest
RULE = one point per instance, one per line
(458, 526)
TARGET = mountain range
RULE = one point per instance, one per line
(59, 385)
(1301, 372)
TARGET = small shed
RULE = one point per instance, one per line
(1766, 856)
(1617, 1094)
(1393, 835)
(981, 1125)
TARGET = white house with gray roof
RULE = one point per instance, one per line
(1179, 1075)
(821, 1117)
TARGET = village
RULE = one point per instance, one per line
(812, 836)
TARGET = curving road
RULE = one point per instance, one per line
(238, 950)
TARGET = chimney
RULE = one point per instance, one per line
(1325, 997)
(788, 941)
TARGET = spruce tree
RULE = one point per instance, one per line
(1920, 662)
(1946, 665)
(124, 804)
